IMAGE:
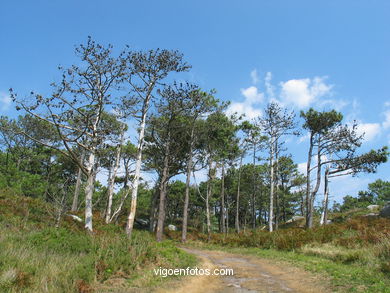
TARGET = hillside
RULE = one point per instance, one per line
(35, 256)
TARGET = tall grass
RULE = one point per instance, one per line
(37, 257)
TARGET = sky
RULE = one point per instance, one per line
(302, 53)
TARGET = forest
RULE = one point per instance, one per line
(128, 117)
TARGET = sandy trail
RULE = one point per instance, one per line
(251, 274)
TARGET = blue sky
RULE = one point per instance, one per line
(323, 54)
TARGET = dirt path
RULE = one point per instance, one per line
(251, 274)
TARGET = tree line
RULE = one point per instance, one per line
(130, 113)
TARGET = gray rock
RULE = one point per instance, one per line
(373, 207)
(371, 215)
(172, 227)
(295, 218)
(142, 223)
(76, 218)
(385, 212)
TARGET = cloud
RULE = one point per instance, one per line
(252, 97)
(370, 130)
(5, 101)
(304, 92)
(269, 88)
(304, 137)
(302, 168)
(254, 76)
(386, 123)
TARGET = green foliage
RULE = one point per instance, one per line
(320, 122)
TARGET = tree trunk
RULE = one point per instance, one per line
(187, 191)
(208, 193)
(324, 214)
(237, 220)
(222, 214)
(89, 191)
(134, 192)
(271, 195)
(112, 177)
(254, 189)
(277, 203)
(308, 187)
(313, 193)
(154, 207)
(163, 193)
(75, 202)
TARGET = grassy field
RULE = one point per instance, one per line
(37, 257)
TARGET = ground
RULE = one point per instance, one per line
(251, 274)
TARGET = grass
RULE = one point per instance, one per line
(354, 254)
(37, 257)
(344, 276)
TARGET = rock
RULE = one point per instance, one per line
(172, 227)
(373, 207)
(385, 212)
(371, 215)
(295, 218)
(328, 221)
(76, 218)
(142, 222)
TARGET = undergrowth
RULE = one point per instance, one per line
(37, 257)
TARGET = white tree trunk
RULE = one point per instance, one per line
(134, 192)
(112, 179)
(75, 202)
(271, 195)
(89, 191)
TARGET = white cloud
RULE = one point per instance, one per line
(254, 76)
(386, 123)
(269, 88)
(304, 137)
(302, 168)
(370, 130)
(303, 92)
(5, 101)
(252, 97)
(338, 105)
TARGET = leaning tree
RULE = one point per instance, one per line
(77, 105)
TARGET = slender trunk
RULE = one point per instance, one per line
(227, 216)
(222, 214)
(112, 177)
(208, 194)
(324, 214)
(187, 191)
(237, 220)
(308, 187)
(89, 191)
(76, 194)
(126, 193)
(134, 192)
(61, 208)
(277, 214)
(254, 188)
(186, 199)
(163, 193)
(309, 224)
(154, 207)
(271, 195)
